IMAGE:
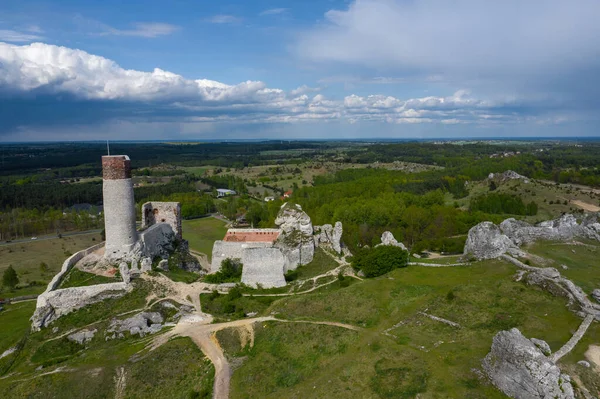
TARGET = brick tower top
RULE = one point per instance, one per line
(115, 167)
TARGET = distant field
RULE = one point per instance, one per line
(202, 233)
(26, 259)
(564, 197)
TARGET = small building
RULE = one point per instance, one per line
(288, 194)
(224, 192)
(269, 199)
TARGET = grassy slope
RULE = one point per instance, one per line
(423, 356)
(320, 264)
(79, 278)
(581, 260)
(26, 258)
(202, 233)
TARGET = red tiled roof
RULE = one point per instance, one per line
(251, 236)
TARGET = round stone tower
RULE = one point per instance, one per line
(119, 206)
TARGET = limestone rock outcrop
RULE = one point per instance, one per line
(82, 337)
(387, 238)
(329, 235)
(508, 175)
(517, 367)
(296, 238)
(487, 241)
(54, 304)
(142, 323)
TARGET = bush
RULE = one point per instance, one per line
(10, 278)
(380, 260)
(231, 271)
(291, 275)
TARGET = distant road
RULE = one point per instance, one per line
(49, 237)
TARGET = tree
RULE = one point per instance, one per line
(380, 260)
(10, 278)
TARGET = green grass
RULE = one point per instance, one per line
(79, 278)
(27, 257)
(202, 233)
(177, 274)
(227, 308)
(14, 320)
(422, 355)
(320, 264)
(446, 260)
(581, 260)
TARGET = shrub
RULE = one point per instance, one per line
(380, 260)
(10, 278)
(291, 275)
(231, 271)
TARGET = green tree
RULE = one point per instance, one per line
(380, 260)
(10, 278)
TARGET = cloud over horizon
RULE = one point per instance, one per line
(62, 86)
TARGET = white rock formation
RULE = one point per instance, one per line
(146, 265)
(508, 175)
(330, 236)
(142, 323)
(124, 271)
(54, 304)
(487, 241)
(264, 266)
(336, 240)
(517, 367)
(387, 238)
(82, 337)
(296, 239)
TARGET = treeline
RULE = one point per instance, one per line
(501, 203)
(22, 223)
(49, 195)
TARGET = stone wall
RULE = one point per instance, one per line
(162, 212)
(157, 240)
(231, 250)
(263, 266)
(68, 265)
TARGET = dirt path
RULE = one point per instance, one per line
(586, 206)
(120, 383)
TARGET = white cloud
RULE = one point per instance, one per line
(18, 37)
(142, 29)
(463, 37)
(224, 19)
(56, 71)
(274, 11)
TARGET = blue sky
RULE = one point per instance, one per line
(73, 70)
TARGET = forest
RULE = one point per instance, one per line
(39, 181)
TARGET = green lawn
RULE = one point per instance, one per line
(202, 233)
(581, 260)
(79, 278)
(421, 357)
(320, 264)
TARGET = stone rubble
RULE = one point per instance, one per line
(387, 238)
(142, 323)
(517, 367)
(82, 337)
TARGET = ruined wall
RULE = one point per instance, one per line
(162, 212)
(263, 266)
(68, 265)
(119, 206)
(231, 250)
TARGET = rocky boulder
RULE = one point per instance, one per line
(142, 323)
(486, 241)
(596, 294)
(296, 239)
(508, 175)
(517, 367)
(329, 235)
(82, 337)
(387, 238)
